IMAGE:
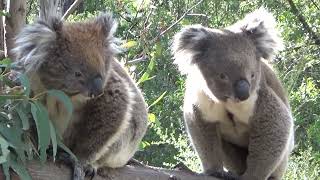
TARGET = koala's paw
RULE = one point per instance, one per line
(90, 171)
(223, 175)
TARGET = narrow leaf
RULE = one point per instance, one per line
(147, 73)
(25, 83)
(53, 140)
(61, 96)
(41, 118)
(157, 100)
(24, 119)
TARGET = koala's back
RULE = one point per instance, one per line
(274, 83)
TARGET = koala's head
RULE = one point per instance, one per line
(72, 57)
(229, 59)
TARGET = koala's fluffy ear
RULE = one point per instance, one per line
(190, 41)
(108, 27)
(260, 26)
(32, 42)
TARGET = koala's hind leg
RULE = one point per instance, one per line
(234, 158)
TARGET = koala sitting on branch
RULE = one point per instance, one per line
(235, 108)
(109, 117)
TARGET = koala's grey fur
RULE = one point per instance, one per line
(109, 118)
(249, 134)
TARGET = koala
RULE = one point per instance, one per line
(109, 116)
(236, 111)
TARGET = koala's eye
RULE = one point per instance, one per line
(222, 76)
(78, 74)
(252, 75)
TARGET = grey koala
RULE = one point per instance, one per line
(235, 108)
(109, 117)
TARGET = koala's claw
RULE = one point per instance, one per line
(224, 175)
(90, 171)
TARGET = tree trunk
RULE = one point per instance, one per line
(1, 27)
(13, 23)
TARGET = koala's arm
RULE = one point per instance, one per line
(108, 120)
(271, 129)
(206, 141)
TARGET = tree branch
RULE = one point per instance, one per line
(304, 23)
(51, 171)
(13, 23)
(175, 23)
(71, 9)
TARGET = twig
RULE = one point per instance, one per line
(304, 23)
(137, 60)
(71, 9)
(175, 23)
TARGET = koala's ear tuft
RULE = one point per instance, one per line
(190, 41)
(108, 27)
(32, 42)
(107, 23)
(260, 26)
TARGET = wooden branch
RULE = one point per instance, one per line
(51, 171)
(304, 23)
(13, 23)
(48, 8)
(71, 9)
(175, 23)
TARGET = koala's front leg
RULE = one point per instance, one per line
(206, 141)
(271, 128)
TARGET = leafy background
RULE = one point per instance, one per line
(147, 27)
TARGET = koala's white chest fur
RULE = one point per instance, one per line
(233, 118)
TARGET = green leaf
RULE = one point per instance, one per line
(5, 61)
(24, 119)
(53, 140)
(5, 169)
(129, 44)
(25, 83)
(145, 76)
(13, 136)
(3, 13)
(157, 100)
(4, 150)
(41, 118)
(61, 96)
(151, 117)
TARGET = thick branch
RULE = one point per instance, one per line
(51, 171)
(13, 23)
(304, 23)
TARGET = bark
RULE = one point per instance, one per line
(51, 171)
(67, 4)
(1, 27)
(13, 23)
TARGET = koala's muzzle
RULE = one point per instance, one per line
(241, 89)
(95, 86)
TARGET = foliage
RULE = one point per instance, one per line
(21, 118)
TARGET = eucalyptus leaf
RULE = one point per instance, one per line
(25, 83)
(20, 169)
(5, 169)
(54, 142)
(60, 95)
(24, 118)
(146, 74)
(41, 118)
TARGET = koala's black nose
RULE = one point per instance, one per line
(241, 90)
(96, 86)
